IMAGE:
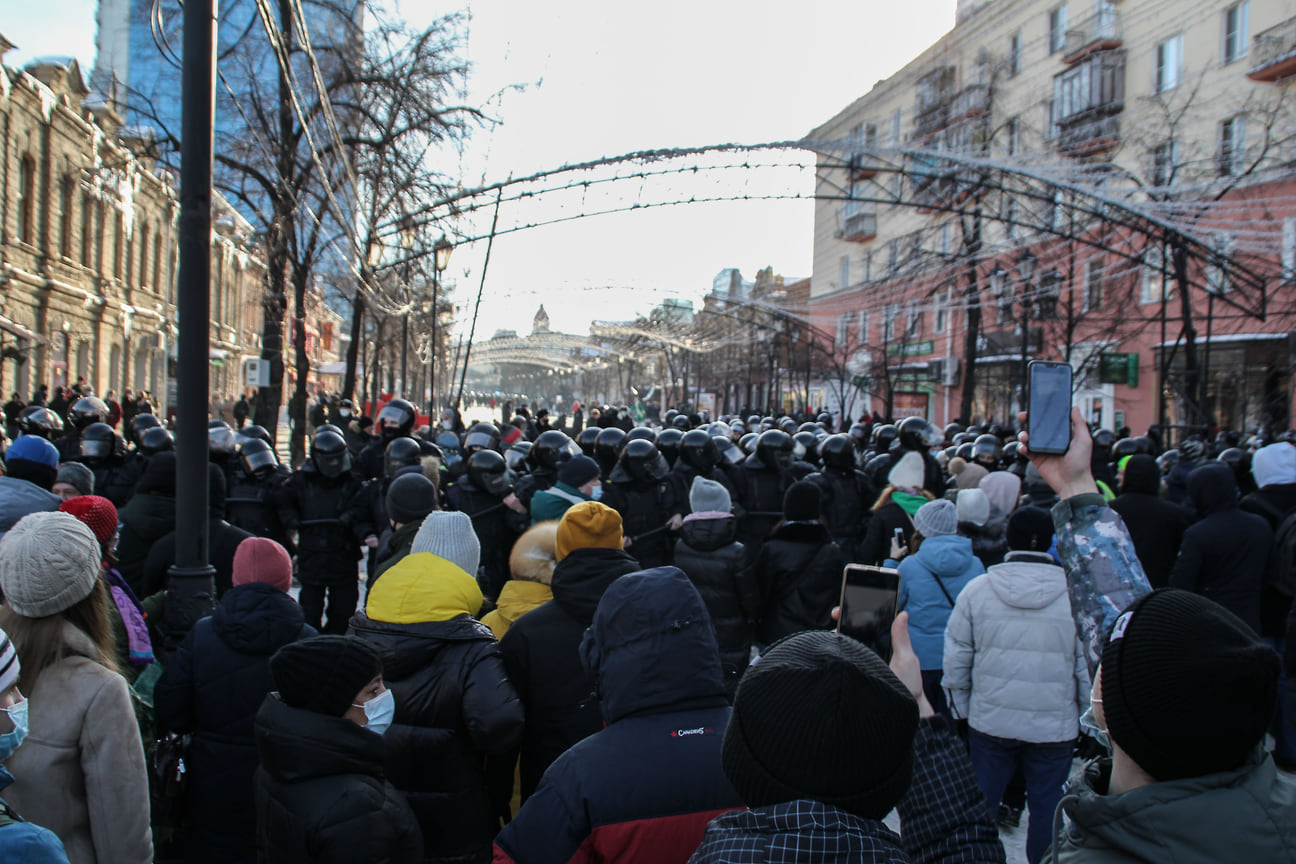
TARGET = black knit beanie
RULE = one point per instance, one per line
(323, 674)
(159, 475)
(1030, 529)
(410, 497)
(1188, 689)
(821, 717)
(801, 502)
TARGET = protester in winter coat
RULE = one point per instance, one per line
(644, 787)
(973, 510)
(147, 518)
(531, 566)
(824, 741)
(30, 470)
(410, 498)
(578, 477)
(1227, 555)
(895, 508)
(713, 562)
(940, 566)
(20, 840)
(798, 571)
(456, 704)
(223, 540)
(541, 649)
(213, 689)
(73, 479)
(1014, 669)
(321, 797)
(1003, 489)
(1156, 526)
(81, 773)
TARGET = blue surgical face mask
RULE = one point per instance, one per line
(379, 712)
(596, 493)
(11, 741)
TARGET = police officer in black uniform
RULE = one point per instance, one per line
(103, 451)
(251, 502)
(84, 412)
(547, 451)
(640, 489)
(848, 494)
(762, 480)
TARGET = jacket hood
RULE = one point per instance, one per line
(423, 587)
(580, 579)
(708, 535)
(20, 497)
(519, 597)
(1143, 477)
(1212, 489)
(295, 744)
(652, 647)
(409, 648)
(257, 619)
(1003, 489)
(1026, 583)
(1274, 465)
(947, 555)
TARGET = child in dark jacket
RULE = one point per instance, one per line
(713, 562)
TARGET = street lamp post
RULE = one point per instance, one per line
(407, 237)
(443, 248)
(1026, 269)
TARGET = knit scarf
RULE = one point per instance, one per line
(132, 616)
(908, 502)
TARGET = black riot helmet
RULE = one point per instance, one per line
(883, 437)
(698, 451)
(400, 453)
(747, 443)
(156, 440)
(1167, 461)
(1142, 444)
(728, 453)
(448, 443)
(1012, 454)
(668, 442)
(516, 456)
(141, 423)
(258, 457)
(774, 449)
(964, 438)
(952, 429)
(964, 451)
(40, 421)
(482, 436)
(838, 453)
(585, 440)
(396, 420)
(329, 427)
(825, 418)
(252, 432)
(918, 434)
(788, 425)
(1124, 447)
(1233, 457)
(98, 443)
(986, 450)
(859, 436)
(87, 410)
(551, 448)
(766, 424)
(805, 447)
(220, 439)
(607, 447)
(641, 432)
(808, 426)
(329, 454)
(681, 422)
(641, 462)
(488, 471)
(670, 415)
(753, 422)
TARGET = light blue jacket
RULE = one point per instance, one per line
(23, 841)
(949, 559)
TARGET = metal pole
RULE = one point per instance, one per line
(191, 592)
(1025, 343)
(432, 354)
(404, 385)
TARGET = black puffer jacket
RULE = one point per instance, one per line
(799, 572)
(320, 793)
(541, 654)
(847, 501)
(644, 508)
(713, 562)
(1156, 526)
(146, 519)
(213, 688)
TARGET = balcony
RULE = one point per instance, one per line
(1101, 31)
(861, 166)
(931, 118)
(971, 101)
(1274, 53)
(859, 223)
(1088, 134)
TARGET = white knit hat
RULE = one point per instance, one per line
(449, 534)
(48, 563)
(908, 473)
(973, 506)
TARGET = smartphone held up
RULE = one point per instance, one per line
(868, 605)
(1048, 418)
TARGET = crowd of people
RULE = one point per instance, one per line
(597, 638)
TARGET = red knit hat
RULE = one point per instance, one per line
(95, 511)
(260, 559)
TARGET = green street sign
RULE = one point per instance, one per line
(1119, 368)
(910, 349)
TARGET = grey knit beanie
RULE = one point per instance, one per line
(48, 563)
(449, 534)
(708, 496)
(78, 476)
(936, 518)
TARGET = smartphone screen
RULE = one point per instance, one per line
(868, 605)
(1049, 417)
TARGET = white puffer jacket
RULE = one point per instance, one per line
(1013, 664)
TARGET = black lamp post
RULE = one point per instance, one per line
(442, 248)
(1026, 270)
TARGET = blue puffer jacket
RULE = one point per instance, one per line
(20, 497)
(946, 561)
(644, 787)
(23, 841)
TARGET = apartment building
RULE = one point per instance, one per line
(1106, 183)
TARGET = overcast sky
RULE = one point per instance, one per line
(610, 78)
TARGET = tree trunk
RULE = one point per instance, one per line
(353, 349)
(972, 332)
(1194, 384)
(302, 364)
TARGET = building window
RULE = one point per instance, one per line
(844, 265)
(1012, 131)
(1010, 217)
(897, 128)
(1154, 287)
(1093, 284)
(1289, 250)
(1057, 25)
(888, 322)
(129, 243)
(101, 225)
(143, 256)
(1218, 278)
(1232, 146)
(67, 202)
(1237, 23)
(843, 328)
(27, 200)
(1014, 54)
(157, 260)
(913, 320)
(1050, 121)
(1169, 63)
(868, 265)
(1164, 162)
(119, 237)
(87, 231)
(945, 239)
(942, 312)
(863, 327)
(893, 256)
(1003, 297)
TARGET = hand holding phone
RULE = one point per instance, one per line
(898, 545)
(868, 605)
(1049, 415)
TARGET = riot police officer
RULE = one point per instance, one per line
(547, 451)
(639, 488)
(848, 494)
(251, 502)
(316, 503)
(607, 450)
(395, 420)
(485, 493)
(84, 412)
(698, 457)
(762, 480)
(104, 452)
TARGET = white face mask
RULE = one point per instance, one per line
(379, 712)
(1089, 719)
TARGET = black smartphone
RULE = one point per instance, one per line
(1048, 416)
(868, 605)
